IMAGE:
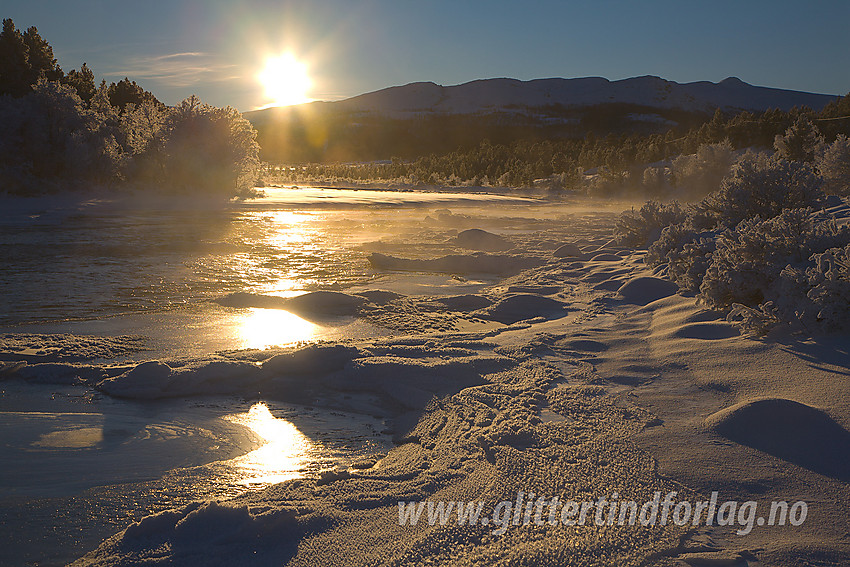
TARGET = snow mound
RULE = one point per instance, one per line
(464, 303)
(789, 430)
(609, 285)
(311, 360)
(606, 257)
(477, 239)
(568, 251)
(708, 331)
(411, 383)
(239, 535)
(313, 304)
(503, 264)
(243, 299)
(155, 379)
(538, 289)
(148, 380)
(380, 296)
(523, 306)
(645, 289)
(582, 345)
(325, 303)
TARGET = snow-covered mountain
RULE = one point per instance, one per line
(495, 95)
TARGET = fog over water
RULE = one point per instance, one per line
(106, 268)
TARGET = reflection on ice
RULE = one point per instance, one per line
(264, 328)
(283, 457)
(80, 438)
(290, 228)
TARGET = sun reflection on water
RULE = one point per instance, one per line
(290, 228)
(264, 328)
(284, 456)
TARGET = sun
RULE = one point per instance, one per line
(285, 80)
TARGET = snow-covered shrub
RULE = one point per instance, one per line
(750, 258)
(643, 227)
(759, 185)
(656, 181)
(606, 184)
(699, 174)
(834, 166)
(829, 287)
(686, 252)
(802, 141)
(756, 321)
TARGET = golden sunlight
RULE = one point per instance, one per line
(285, 80)
(284, 455)
(264, 328)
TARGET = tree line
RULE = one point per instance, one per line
(61, 131)
(612, 165)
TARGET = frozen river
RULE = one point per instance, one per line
(108, 269)
(79, 466)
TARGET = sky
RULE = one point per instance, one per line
(217, 49)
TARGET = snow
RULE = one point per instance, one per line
(502, 264)
(311, 304)
(477, 239)
(574, 375)
(524, 306)
(154, 380)
(645, 289)
(66, 347)
(568, 250)
(789, 430)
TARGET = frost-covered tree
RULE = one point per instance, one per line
(834, 166)
(697, 175)
(49, 139)
(759, 185)
(655, 181)
(828, 281)
(24, 59)
(126, 92)
(802, 141)
(685, 252)
(14, 63)
(83, 82)
(208, 149)
(42, 63)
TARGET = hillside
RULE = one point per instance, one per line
(495, 95)
(421, 118)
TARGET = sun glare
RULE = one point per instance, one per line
(285, 80)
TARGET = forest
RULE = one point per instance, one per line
(60, 131)
(672, 164)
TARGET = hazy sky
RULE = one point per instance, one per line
(215, 49)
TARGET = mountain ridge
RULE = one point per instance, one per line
(481, 95)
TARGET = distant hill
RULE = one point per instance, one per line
(421, 118)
